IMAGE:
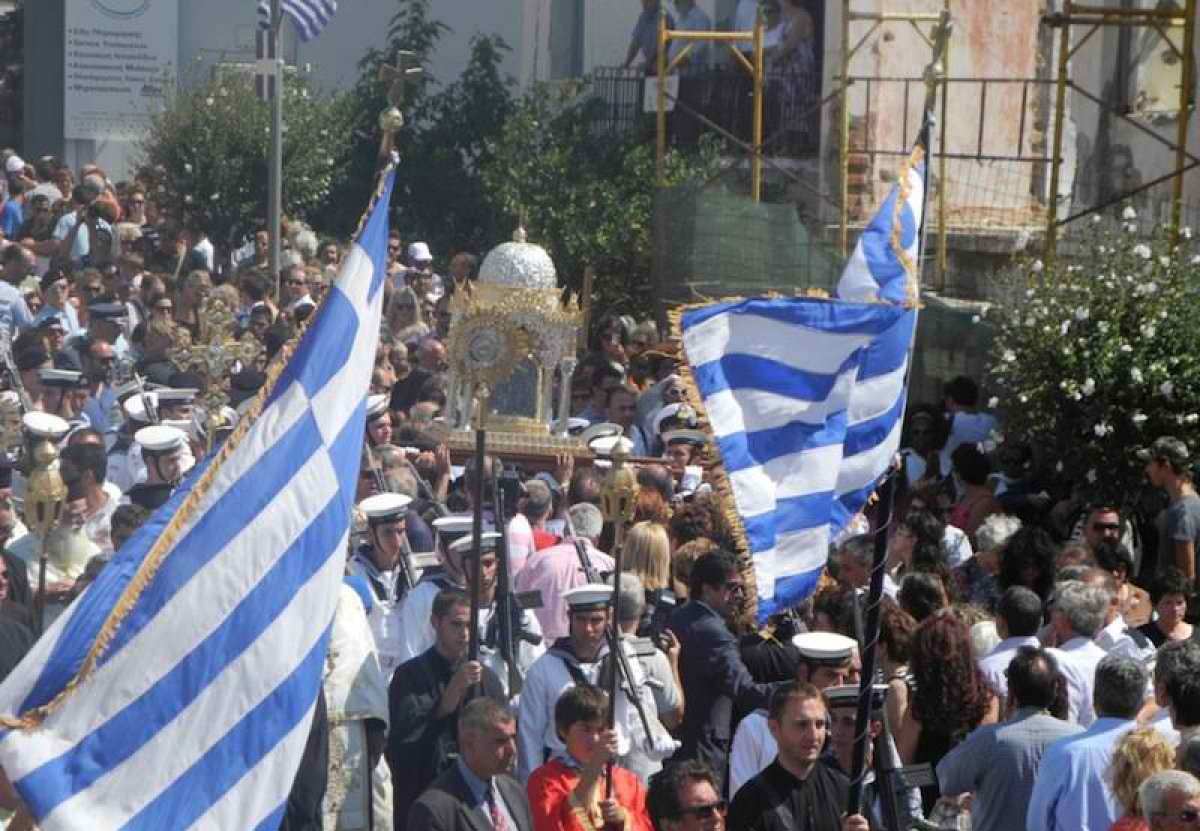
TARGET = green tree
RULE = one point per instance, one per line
(207, 154)
(1097, 356)
(585, 196)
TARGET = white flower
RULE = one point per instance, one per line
(1037, 266)
(1138, 418)
(1195, 259)
(1129, 213)
(1126, 348)
(188, 199)
(1058, 468)
(1066, 325)
(1102, 326)
(1091, 475)
(1142, 250)
(1185, 232)
(1131, 227)
(1152, 287)
(1024, 399)
(975, 318)
(187, 167)
(993, 403)
(215, 197)
(1089, 387)
(209, 101)
(1009, 356)
(1082, 313)
(1148, 330)
(1191, 418)
(1095, 219)
(1135, 375)
(1164, 261)
(1101, 430)
(1166, 388)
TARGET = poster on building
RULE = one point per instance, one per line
(121, 58)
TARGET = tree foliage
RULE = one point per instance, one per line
(207, 154)
(1098, 356)
(586, 196)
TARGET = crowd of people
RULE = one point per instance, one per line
(1037, 664)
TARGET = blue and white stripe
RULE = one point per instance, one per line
(309, 16)
(198, 711)
(876, 271)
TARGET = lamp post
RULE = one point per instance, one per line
(618, 499)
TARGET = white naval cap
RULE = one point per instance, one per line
(589, 596)
(465, 545)
(693, 437)
(601, 430)
(608, 445)
(847, 696)
(384, 506)
(45, 425)
(176, 396)
(453, 524)
(135, 407)
(681, 412)
(377, 405)
(824, 647)
(576, 425)
(160, 438)
(60, 378)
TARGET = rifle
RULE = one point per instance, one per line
(14, 375)
(620, 660)
(504, 599)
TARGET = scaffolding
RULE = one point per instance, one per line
(755, 65)
(1163, 19)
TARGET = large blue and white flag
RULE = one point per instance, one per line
(806, 397)
(178, 690)
(309, 16)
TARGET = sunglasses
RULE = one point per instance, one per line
(1188, 816)
(704, 811)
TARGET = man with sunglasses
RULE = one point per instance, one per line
(710, 666)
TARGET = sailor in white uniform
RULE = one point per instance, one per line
(378, 563)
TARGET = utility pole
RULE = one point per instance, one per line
(275, 165)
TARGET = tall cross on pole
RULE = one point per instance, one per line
(398, 78)
(275, 168)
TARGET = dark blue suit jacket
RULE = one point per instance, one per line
(712, 673)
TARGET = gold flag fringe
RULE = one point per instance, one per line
(719, 476)
(149, 568)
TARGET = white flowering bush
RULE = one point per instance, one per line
(1100, 354)
(207, 154)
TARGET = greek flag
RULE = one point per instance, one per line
(178, 690)
(806, 397)
(310, 16)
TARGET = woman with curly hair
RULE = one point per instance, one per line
(916, 546)
(1138, 755)
(949, 698)
(1028, 560)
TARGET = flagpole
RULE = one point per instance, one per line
(887, 490)
(275, 164)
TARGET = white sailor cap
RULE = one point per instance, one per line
(827, 648)
(126, 389)
(589, 596)
(160, 438)
(465, 545)
(693, 437)
(607, 445)
(453, 525)
(576, 425)
(847, 696)
(682, 412)
(45, 425)
(384, 506)
(60, 378)
(377, 405)
(600, 430)
(135, 407)
(169, 395)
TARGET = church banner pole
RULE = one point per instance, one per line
(275, 168)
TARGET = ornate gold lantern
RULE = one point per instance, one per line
(512, 333)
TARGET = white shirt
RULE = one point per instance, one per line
(956, 545)
(205, 249)
(968, 428)
(98, 527)
(1077, 660)
(993, 664)
(753, 749)
(384, 617)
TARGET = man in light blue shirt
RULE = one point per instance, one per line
(54, 286)
(1072, 790)
(14, 313)
(1018, 618)
(999, 762)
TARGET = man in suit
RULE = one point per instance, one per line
(710, 667)
(477, 793)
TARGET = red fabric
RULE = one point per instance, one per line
(543, 539)
(550, 789)
(1130, 824)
